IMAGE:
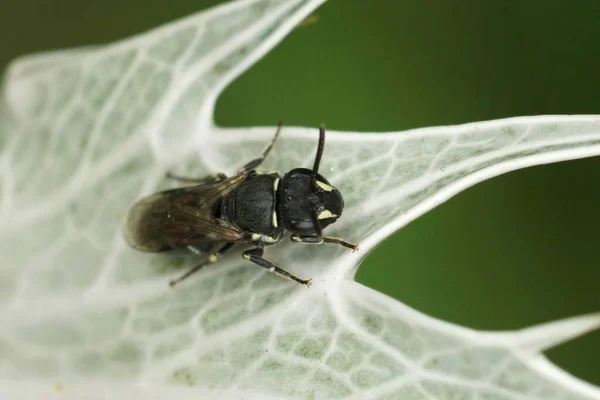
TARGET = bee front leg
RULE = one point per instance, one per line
(320, 240)
(256, 256)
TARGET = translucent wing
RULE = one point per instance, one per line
(184, 217)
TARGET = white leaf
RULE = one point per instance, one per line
(85, 133)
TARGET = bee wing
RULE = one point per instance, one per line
(183, 217)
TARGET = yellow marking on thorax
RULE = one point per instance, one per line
(275, 186)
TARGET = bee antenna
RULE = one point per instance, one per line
(320, 148)
(315, 170)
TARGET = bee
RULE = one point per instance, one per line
(250, 208)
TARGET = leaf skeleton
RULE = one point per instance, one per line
(251, 208)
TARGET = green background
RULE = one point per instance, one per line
(518, 250)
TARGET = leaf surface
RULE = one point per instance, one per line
(86, 132)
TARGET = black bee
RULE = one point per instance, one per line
(249, 208)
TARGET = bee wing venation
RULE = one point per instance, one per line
(183, 217)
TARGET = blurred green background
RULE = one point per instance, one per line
(518, 250)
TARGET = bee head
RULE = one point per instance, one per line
(308, 202)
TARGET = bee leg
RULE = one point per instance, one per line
(320, 240)
(207, 179)
(257, 161)
(255, 256)
(214, 257)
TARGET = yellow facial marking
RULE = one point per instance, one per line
(324, 186)
(275, 185)
(246, 256)
(326, 214)
(274, 221)
(256, 236)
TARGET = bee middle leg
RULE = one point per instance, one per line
(214, 257)
(207, 179)
(257, 161)
(320, 240)
(256, 256)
